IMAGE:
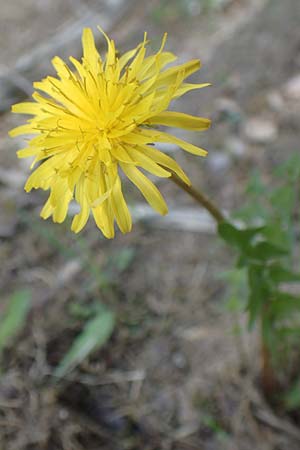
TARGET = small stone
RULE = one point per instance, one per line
(218, 161)
(225, 104)
(63, 414)
(275, 101)
(235, 146)
(179, 360)
(260, 130)
(292, 88)
(68, 272)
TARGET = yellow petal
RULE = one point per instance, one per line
(121, 154)
(26, 152)
(186, 87)
(80, 220)
(120, 208)
(102, 212)
(104, 219)
(67, 94)
(47, 210)
(191, 148)
(90, 52)
(137, 63)
(126, 57)
(146, 136)
(180, 120)
(111, 51)
(166, 95)
(73, 177)
(152, 136)
(101, 199)
(23, 129)
(61, 68)
(42, 176)
(166, 161)
(79, 67)
(26, 108)
(57, 191)
(147, 188)
(61, 208)
(154, 63)
(169, 76)
(147, 163)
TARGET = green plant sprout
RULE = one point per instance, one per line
(267, 257)
(14, 317)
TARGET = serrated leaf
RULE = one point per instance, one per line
(279, 232)
(14, 317)
(284, 304)
(279, 274)
(236, 237)
(265, 250)
(95, 334)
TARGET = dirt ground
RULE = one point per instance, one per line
(174, 375)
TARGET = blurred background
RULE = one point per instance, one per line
(132, 343)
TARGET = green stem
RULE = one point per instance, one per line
(200, 198)
(269, 382)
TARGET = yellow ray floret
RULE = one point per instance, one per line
(100, 118)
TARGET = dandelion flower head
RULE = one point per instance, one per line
(100, 118)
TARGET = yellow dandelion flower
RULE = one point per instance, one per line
(99, 118)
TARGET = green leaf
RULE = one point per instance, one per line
(238, 238)
(14, 317)
(287, 331)
(265, 250)
(290, 168)
(279, 274)
(237, 288)
(284, 198)
(95, 334)
(284, 304)
(279, 232)
(259, 292)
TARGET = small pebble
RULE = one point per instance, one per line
(292, 88)
(260, 130)
(275, 101)
(218, 161)
(235, 146)
(179, 360)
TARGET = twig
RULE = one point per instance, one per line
(277, 424)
